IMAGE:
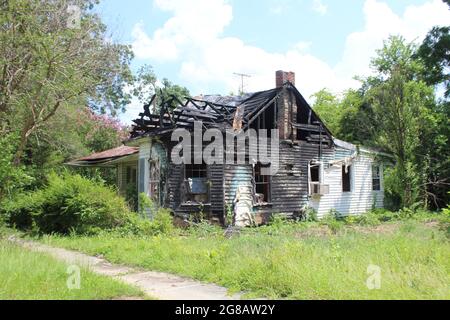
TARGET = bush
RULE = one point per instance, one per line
(12, 178)
(161, 222)
(333, 220)
(68, 204)
(308, 214)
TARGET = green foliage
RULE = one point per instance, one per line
(333, 220)
(309, 215)
(298, 263)
(35, 88)
(395, 111)
(146, 86)
(328, 108)
(229, 215)
(132, 197)
(396, 56)
(26, 275)
(146, 205)
(69, 203)
(433, 53)
(12, 178)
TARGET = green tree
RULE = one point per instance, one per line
(50, 62)
(406, 121)
(147, 85)
(327, 106)
(435, 55)
(397, 105)
(357, 119)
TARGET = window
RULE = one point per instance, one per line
(197, 178)
(314, 173)
(155, 180)
(196, 171)
(262, 184)
(346, 179)
(376, 178)
(131, 175)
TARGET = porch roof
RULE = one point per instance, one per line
(106, 158)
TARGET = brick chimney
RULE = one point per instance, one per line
(282, 77)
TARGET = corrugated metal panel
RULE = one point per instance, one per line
(235, 176)
(216, 173)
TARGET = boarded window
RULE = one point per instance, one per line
(376, 178)
(262, 183)
(346, 179)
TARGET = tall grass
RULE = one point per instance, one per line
(281, 262)
(26, 275)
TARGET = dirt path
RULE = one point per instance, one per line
(159, 285)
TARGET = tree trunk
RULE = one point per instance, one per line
(26, 131)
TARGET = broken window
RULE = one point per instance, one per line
(196, 176)
(196, 171)
(376, 178)
(346, 178)
(314, 173)
(262, 183)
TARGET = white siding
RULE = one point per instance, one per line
(361, 198)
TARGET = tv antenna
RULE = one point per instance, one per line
(243, 76)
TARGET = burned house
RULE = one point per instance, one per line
(314, 169)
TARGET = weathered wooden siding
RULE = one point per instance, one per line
(361, 198)
(174, 182)
(289, 187)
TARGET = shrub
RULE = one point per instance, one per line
(69, 204)
(12, 178)
(333, 220)
(368, 219)
(308, 214)
(161, 222)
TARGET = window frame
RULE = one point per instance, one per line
(374, 178)
(266, 181)
(197, 171)
(348, 174)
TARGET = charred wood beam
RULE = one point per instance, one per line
(266, 106)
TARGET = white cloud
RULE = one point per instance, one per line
(380, 22)
(192, 38)
(278, 7)
(319, 7)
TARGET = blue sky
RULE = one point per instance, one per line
(201, 43)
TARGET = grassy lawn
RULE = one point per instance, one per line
(294, 261)
(26, 275)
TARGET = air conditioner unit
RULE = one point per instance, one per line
(319, 189)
